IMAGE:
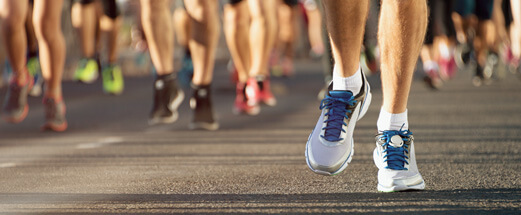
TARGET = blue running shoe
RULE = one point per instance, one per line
(395, 159)
(330, 146)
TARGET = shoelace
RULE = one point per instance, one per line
(396, 157)
(337, 109)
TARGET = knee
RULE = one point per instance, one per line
(405, 5)
(12, 19)
(202, 10)
(46, 27)
(235, 17)
(151, 7)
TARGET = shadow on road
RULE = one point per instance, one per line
(480, 201)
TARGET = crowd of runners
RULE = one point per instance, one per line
(482, 36)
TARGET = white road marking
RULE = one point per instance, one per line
(100, 143)
(7, 165)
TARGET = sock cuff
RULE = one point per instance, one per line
(392, 121)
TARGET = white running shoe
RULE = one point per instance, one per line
(395, 159)
(330, 145)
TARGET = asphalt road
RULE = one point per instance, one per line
(110, 161)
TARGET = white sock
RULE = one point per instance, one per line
(352, 83)
(430, 65)
(392, 121)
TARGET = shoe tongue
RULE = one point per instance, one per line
(341, 94)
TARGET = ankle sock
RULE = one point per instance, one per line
(392, 121)
(352, 83)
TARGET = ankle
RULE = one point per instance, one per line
(352, 83)
(392, 121)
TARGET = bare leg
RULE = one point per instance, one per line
(204, 38)
(402, 29)
(32, 44)
(345, 23)
(487, 39)
(515, 31)
(111, 27)
(236, 29)
(47, 25)
(84, 21)
(262, 34)
(182, 26)
(499, 22)
(157, 24)
(287, 34)
(315, 30)
(13, 15)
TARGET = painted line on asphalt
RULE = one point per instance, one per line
(7, 165)
(100, 143)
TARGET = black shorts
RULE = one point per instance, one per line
(232, 2)
(481, 8)
(110, 8)
(440, 22)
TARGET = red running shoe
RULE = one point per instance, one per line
(258, 91)
(241, 105)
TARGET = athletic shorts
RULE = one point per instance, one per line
(110, 8)
(234, 1)
(481, 8)
(440, 22)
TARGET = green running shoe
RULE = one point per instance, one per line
(112, 80)
(87, 71)
(33, 66)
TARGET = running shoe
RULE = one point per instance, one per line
(15, 105)
(447, 67)
(241, 105)
(33, 66)
(432, 79)
(330, 145)
(478, 78)
(167, 98)
(463, 55)
(258, 91)
(201, 103)
(394, 156)
(87, 71)
(112, 80)
(54, 115)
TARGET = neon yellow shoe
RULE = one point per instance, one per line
(33, 66)
(87, 71)
(112, 80)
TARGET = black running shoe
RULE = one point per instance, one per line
(201, 103)
(167, 98)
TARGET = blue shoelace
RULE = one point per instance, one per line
(336, 112)
(396, 157)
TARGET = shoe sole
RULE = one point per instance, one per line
(89, 81)
(56, 128)
(252, 112)
(16, 120)
(342, 168)
(363, 111)
(420, 186)
(204, 126)
(173, 106)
